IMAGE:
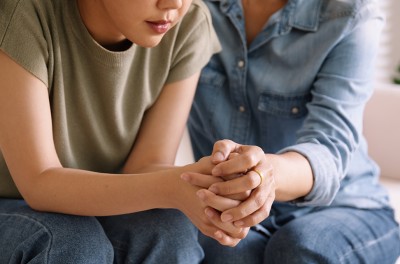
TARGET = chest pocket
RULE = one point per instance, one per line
(281, 116)
(284, 106)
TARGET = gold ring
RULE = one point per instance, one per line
(259, 174)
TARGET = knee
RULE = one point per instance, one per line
(174, 226)
(56, 238)
(300, 245)
(83, 234)
(249, 250)
(160, 236)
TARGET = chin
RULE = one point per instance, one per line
(149, 42)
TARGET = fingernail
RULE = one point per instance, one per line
(213, 189)
(218, 156)
(226, 217)
(185, 177)
(200, 194)
(239, 223)
(209, 212)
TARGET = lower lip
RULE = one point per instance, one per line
(159, 28)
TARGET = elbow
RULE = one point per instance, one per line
(32, 199)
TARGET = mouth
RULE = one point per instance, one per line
(160, 26)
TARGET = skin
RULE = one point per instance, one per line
(257, 14)
(286, 177)
(111, 22)
(26, 138)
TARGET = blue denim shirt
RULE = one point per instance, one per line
(302, 86)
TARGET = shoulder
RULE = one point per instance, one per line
(199, 12)
(199, 6)
(23, 11)
(25, 27)
(197, 22)
(12, 7)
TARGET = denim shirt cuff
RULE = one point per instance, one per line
(326, 178)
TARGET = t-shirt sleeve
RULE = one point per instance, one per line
(22, 36)
(195, 44)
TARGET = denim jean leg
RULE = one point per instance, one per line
(153, 236)
(249, 251)
(28, 236)
(337, 235)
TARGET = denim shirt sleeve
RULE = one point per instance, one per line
(332, 130)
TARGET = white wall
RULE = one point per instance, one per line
(184, 155)
(389, 56)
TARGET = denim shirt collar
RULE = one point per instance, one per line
(302, 14)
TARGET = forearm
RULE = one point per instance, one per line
(293, 175)
(79, 192)
(149, 168)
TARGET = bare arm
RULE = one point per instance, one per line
(26, 142)
(162, 129)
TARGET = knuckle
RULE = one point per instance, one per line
(259, 201)
(242, 212)
(251, 181)
(265, 212)
(270, 171)
(223, 143)
(218, 144)
(224, 189)
(252, 220)
(259, 150)
(242, 234)
(226, 141)
(249, 160)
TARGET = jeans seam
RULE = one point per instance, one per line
(368, 244)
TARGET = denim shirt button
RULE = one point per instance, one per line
(241, 64)
(242, 109)
(295, 110)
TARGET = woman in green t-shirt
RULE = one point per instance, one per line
(94, 96)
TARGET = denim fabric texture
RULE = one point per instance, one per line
(301, 85)
(326, 235)
(154, 236)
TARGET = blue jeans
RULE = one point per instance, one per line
(323, 235)
(154, 236)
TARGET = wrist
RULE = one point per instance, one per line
(293, 175)
(177, 188)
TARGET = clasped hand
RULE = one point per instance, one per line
(238, 193)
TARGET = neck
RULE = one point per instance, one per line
(257, 14)
(98, 23)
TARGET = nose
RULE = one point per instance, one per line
(170, 4)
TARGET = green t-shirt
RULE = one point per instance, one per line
(98, 97)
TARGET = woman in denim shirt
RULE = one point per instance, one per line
(289, 90)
